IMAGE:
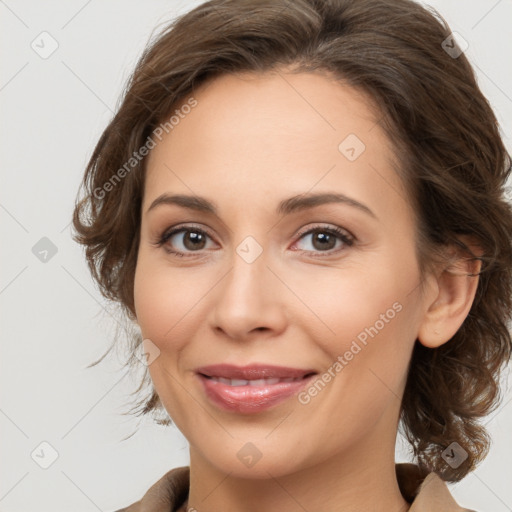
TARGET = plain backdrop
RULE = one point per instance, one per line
(54, 321)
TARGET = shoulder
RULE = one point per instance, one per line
(425, 491)
(166, 494)
(434, 493)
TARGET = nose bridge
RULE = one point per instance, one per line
(247, 280)
(246, 299)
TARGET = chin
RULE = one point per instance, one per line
(255, 460)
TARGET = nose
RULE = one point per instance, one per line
(248, 300)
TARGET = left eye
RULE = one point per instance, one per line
(324, 239)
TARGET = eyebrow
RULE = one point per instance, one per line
(285, 207)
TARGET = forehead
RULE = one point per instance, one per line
(307, 107)
(263, 134)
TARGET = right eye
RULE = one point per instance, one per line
(186, 239)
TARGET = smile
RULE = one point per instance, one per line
(251, 389)
(255, 382)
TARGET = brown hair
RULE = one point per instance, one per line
(446, 140)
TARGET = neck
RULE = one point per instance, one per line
(359, 479)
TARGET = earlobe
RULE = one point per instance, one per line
(456, 288)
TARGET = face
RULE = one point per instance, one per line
(259, 272)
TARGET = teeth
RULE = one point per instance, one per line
(259, 382)
(263, 382)
(239, 382)
(255, 382)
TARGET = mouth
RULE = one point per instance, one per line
(253, 382)
(253, 388)
(253, 372)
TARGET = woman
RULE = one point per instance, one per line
(340, 176)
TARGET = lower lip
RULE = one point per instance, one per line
(250, 399)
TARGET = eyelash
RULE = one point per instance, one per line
(341, 234)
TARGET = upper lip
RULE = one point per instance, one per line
(253, 371)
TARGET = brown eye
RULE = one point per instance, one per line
(180, 241)
(325, 239)
(193, 240)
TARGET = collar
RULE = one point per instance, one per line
(424, 491)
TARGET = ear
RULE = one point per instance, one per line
(452, 295)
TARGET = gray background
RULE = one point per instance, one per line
(54, 321)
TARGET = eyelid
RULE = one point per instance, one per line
(326, 227)
(179, 228)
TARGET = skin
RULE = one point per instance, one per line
(252, 141)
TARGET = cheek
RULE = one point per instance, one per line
(164, 298)
(369, 315)
(163, 311)
(367, 356)
(343, 304)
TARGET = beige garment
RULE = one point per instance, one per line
(425, 494)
